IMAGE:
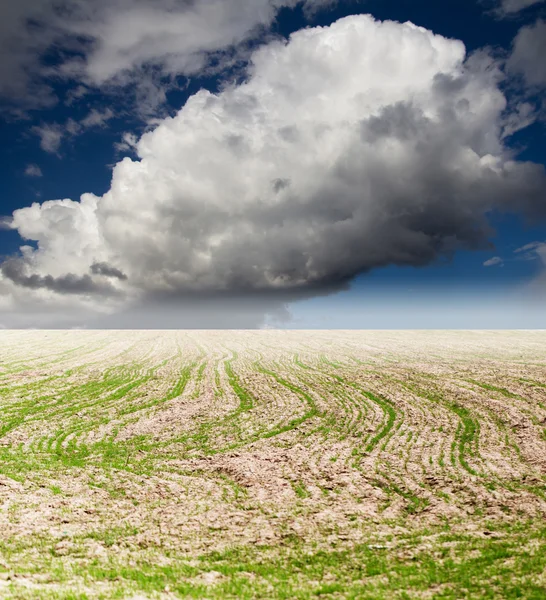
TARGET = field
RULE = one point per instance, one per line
(272, 464)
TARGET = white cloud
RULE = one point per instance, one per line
(541, 251)
(533, 251)
(33, 171)
(176, 35)
(129, 141)
(24, 45)
(75, 94)
(353, 146)
(520, 116)
(120, 42)
(97, 118)
(51, 135)
(493, 262)
(6, 223)
(510, 7)
(536, 251)
(528, 54)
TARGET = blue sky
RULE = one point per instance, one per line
(56, 69)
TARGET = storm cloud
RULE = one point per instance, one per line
(15, 271)
(349, 147)
(107, 270)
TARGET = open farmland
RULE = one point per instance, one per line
(272, 464)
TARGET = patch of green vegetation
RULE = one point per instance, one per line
(311, 412)
(299, 489)
(199, 380)
(507, 563)
(330, 363)
(246, 400)
(388, 408)
(298, 362)
(385, 404)
(494, 388)
(217, 383)
(466, 434)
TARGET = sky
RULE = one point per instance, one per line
(273, 163)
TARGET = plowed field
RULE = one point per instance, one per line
(272, 464)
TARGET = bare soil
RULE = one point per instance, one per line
(272, 464)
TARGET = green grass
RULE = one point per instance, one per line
(245, 398)
(507, 564)
(128, 477)
(493, 388)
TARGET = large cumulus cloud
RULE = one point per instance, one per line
(349, 147)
